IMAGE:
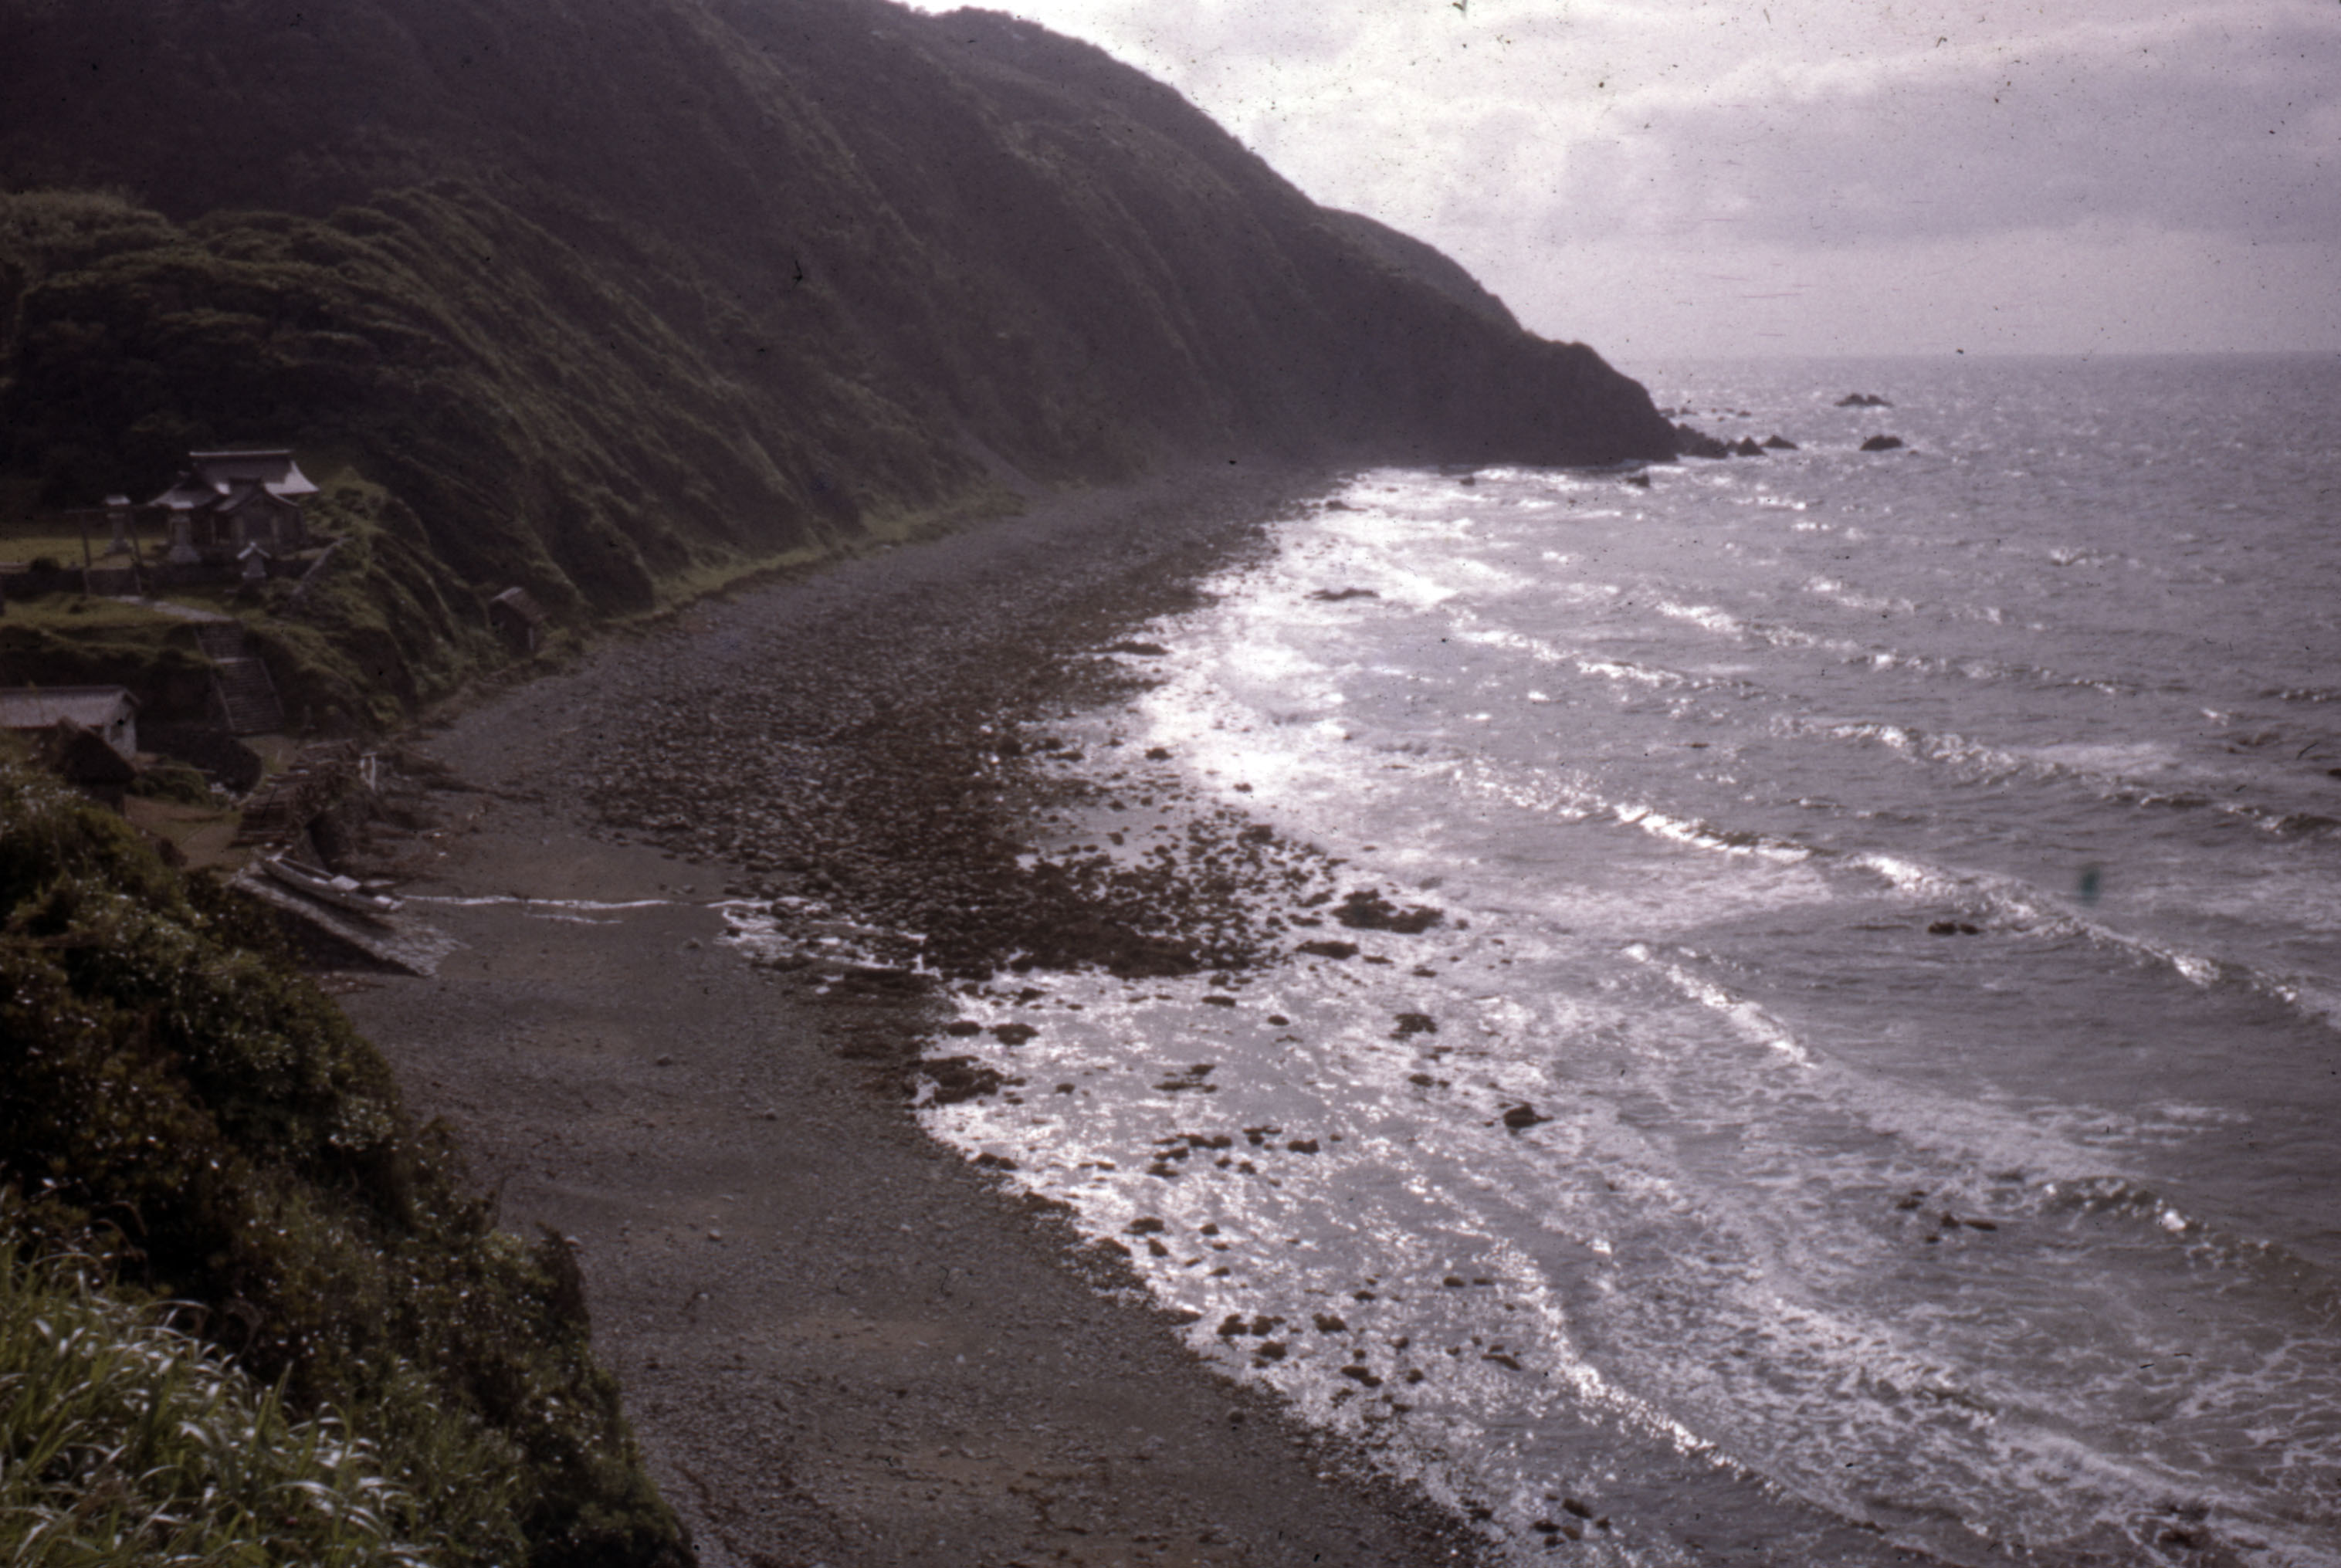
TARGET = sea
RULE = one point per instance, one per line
(1872, 1091)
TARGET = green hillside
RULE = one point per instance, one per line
(174, 1094)
(612, 295)
(611, 300)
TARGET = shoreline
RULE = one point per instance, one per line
(840, 1342)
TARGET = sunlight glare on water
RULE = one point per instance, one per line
(1872, 1086)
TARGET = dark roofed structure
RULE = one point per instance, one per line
(110, 713)
(517, 618)
(224, 501)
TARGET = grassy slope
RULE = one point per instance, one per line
(167, 1079)
(609, 298)
(617, 294)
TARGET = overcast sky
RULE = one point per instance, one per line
(1674, 177)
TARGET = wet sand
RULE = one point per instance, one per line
(840, 1343)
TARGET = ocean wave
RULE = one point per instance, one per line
(1845, 593)
(2110, 772)
(1750, 1021)
(2011, 904)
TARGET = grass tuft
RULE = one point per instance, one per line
(176, 1097)
(123, 1440)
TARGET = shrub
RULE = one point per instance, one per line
(174, 781)
(169, 1083)
(126, 1441)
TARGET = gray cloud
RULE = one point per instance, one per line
(1740, 175)
(2242, 141)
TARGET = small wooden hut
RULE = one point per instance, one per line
(518, 618)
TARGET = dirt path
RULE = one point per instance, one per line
(840, 1343)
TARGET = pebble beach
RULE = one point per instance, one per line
(841, 1341)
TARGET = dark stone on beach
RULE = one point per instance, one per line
(1571, 1505)
(1330, 949)
(1302, 1146)
(1143, 650)
(1746, 447)
(1327, 1323)
(1954, 928)
(958, 1078)
(1882, 443)
(1366, 909)
(1190, 1081)
(1421, 1081)
(1639, 481)
(1862, 400)
(1522, 1116)
(1146, 1224)
(1414, 1024)
(1339, 595)
(1778, 443)
(1012, 1034)
(962, 1027)
(1158, 754)
(1219, 1001)
(1501, 1359)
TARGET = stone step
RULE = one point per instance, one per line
(220, 638)
(247, 697)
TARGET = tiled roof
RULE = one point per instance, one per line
(520, 603)
(232, 475)
(38, 707)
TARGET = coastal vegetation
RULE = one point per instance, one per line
(616, 301)
(130, 1442)
(188, 1111)
(611, 301)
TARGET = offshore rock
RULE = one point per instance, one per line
(1692, 441)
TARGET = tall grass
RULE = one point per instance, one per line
(124, 1440)
(175, 1095)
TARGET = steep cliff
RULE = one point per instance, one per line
(610, 292)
